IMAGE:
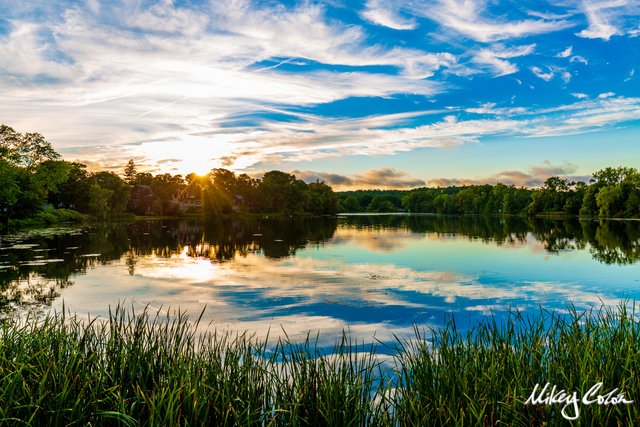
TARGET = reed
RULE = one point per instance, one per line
(145, 368)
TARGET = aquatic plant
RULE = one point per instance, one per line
(145, 368)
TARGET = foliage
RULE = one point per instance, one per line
(150, 369)
(613, 192)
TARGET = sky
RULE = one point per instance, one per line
(370, 94)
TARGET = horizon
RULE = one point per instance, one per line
(372, 96)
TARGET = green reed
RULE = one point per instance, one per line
(144, 368)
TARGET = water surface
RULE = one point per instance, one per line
(371, 275)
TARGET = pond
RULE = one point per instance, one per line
(372, 275)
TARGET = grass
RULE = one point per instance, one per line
(148, 369)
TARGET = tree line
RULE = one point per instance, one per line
(611, 192)
(35, 184)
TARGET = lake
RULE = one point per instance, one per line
(373, 275)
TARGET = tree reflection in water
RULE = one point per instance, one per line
(34, 269)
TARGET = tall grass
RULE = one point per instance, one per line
(148, 369)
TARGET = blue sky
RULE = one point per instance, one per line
(387, 94)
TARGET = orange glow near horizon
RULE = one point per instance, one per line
(193, 154)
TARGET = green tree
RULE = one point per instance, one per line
(321, 199)
(99, 201)
(282, 192)
(119, 190)
(608, 200)
(8, 145)
(9, 192)
(589, 205)
(73, 193)
(49, 175)
(25, 150)
(380, 204)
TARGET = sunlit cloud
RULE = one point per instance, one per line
(315, 137)
(534, 177)
(384, 178)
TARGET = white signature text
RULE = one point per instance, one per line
(551, 395)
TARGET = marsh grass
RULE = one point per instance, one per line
(144, 368)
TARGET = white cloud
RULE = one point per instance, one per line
(608, 18)
(133, 82)
(544, 75)
(631, 74)
(496, 58)
(579, 95)
(551, 71)
(114, 91)
(606, 95)
(467, 17)
(565, 53)
(380, 13)
(584, 116)
(578, 58)
(491, 109)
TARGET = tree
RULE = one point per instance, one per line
(141, 201)
(166, 186)
(34, 149)
(73, 193)
(282, 192)
(612, 176)
(119, 189)
(49, 174)
(9, 191)
(99, 198)
(608, 200)
(25, 150)
(380, 204)
(130, 173)
(8, 145)
(224, 180)
(350, 204)
(322, 200)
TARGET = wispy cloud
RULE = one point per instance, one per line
(243, 84)
(382, 13)
(468, 17)
(314, 137)
(546, 76)
(496, 58)
(631, 74)
(608, 18)
(550, 71)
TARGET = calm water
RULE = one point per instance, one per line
(372, 275)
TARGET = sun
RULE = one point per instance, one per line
(189, 154)
(198, 165)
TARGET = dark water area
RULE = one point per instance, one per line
(373, 275)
